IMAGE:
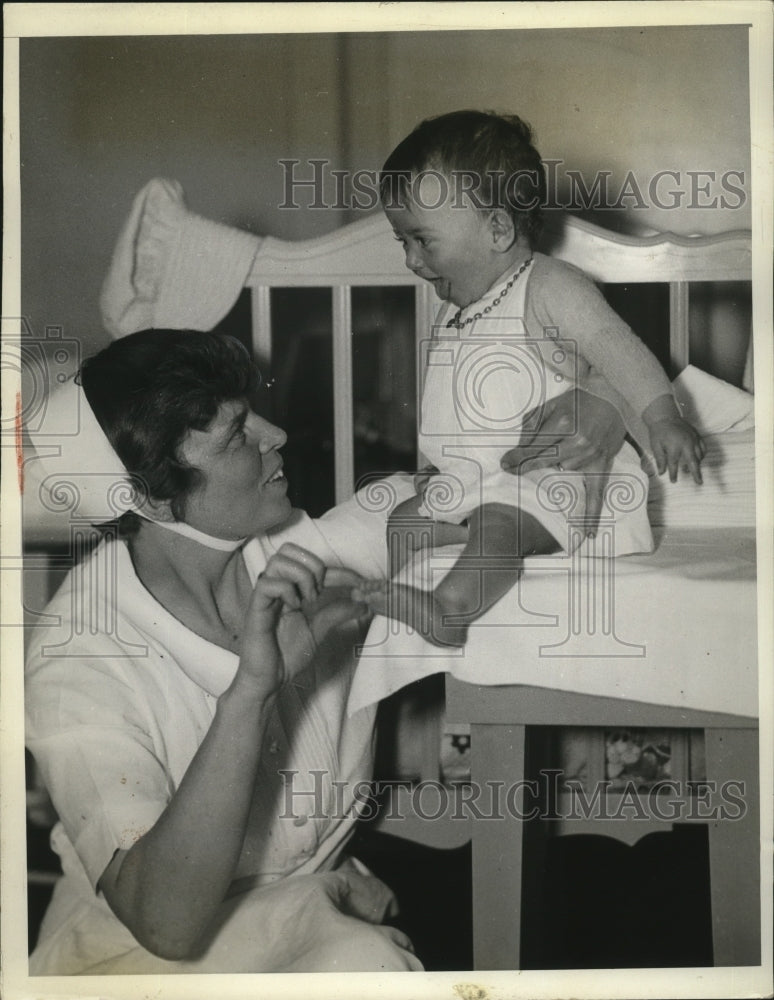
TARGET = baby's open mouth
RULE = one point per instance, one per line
(441, 287)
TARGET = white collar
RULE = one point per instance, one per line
(181, 528)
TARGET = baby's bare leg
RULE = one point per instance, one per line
(408, 531)
(491, 562)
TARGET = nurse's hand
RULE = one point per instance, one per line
(334, 606)
(578, 431)
(295, 584)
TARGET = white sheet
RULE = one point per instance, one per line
(683, 629)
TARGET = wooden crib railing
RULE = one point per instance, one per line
(365, 253)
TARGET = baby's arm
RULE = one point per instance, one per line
(608, 344)
(574, 305)
(674, 442)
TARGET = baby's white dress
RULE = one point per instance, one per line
(481, 381)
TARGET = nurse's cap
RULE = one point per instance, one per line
(73, 471)
(75, 477)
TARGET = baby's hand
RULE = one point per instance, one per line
(675, 444)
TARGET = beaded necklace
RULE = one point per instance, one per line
(455, 321)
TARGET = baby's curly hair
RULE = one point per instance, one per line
(491, 156)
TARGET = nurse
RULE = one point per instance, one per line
(186, 706)
(191, 742)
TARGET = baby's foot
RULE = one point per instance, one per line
(416, 608)
(374, 593)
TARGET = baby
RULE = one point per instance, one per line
(463, 193)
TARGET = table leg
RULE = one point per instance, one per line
(497, 765)
(734, 847)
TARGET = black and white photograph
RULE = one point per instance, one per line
(387, 500)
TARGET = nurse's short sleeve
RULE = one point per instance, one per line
(92, 742)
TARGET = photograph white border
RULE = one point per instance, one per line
(24, 20)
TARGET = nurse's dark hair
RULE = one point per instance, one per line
(489, 156)
(148, 390)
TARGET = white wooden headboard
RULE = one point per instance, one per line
(366, 253)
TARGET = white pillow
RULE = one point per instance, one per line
(712, 405)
